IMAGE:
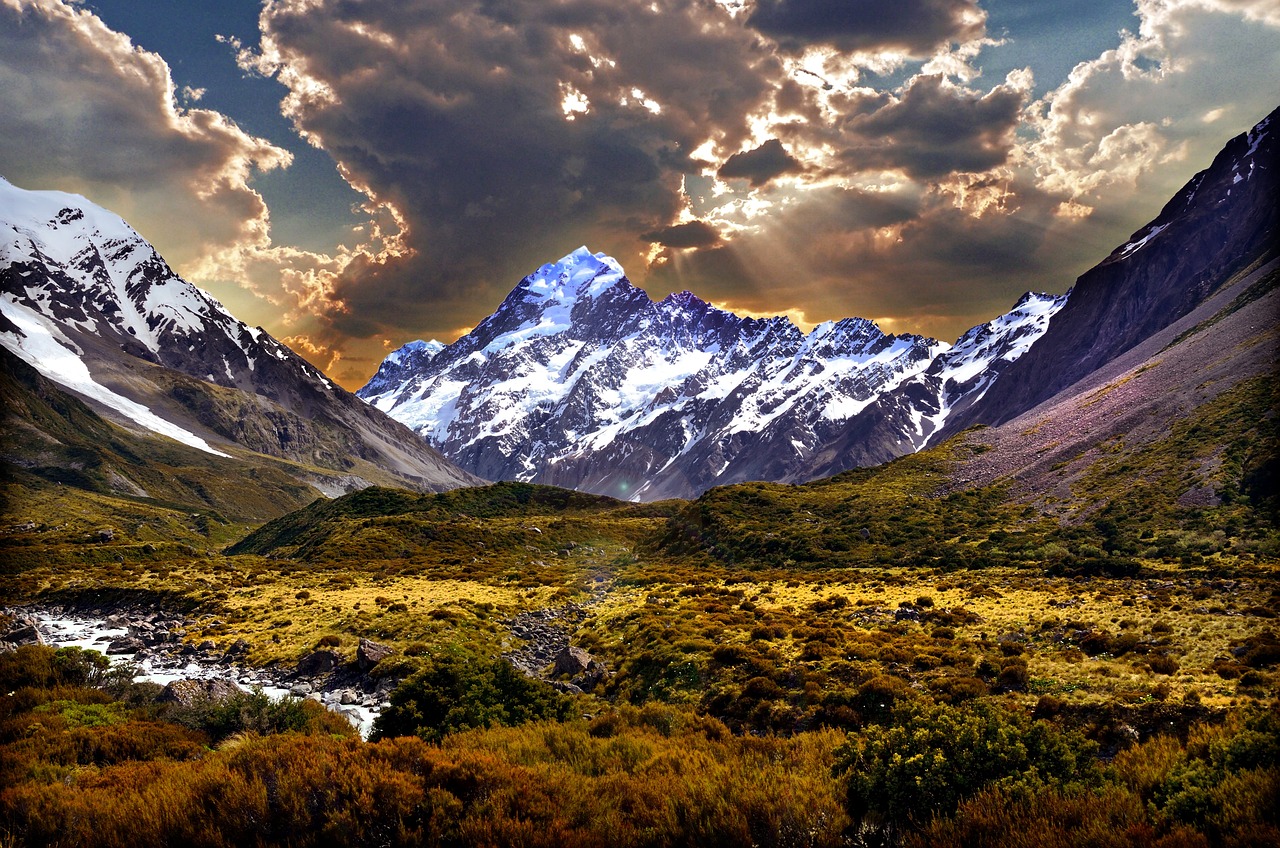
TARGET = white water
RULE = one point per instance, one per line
(88, 632)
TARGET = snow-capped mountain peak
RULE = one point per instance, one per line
(415, 351)
(580, 379)
(86, 267)
(965, 372)
(579, 274)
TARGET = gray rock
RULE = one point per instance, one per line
(299, 690)
(190, 692)
(369, 654)
(595, 674)
(572, 661)
(125, 645)
(318, 662)
(906, 614)
(22, 632)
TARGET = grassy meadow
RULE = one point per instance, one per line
(886, 657)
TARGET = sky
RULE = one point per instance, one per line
(355, 174)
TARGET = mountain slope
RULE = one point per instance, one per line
(578, 379)
(912, 417)
(1169, 453)
(1224, 221)
(90, 304)
(53, 439)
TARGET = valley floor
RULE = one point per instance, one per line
(918, 697)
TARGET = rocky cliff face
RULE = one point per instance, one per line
(1225, 221)
(578, 379)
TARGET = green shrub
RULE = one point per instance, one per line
(42, 666)
(457, 692)
(257, 712)
(934, 756)
(1227, 770)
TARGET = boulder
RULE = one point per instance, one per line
(572, 661)
(906, 614)
(318, 662)
(125, 645)
(22, 632)
(238, 648)
(369, 654)
(595, 674)
(190, 692)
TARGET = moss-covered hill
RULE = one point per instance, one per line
(497, 526)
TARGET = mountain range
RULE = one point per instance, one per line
(578, 379)
(122, 377)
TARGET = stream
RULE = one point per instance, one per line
(60, 629)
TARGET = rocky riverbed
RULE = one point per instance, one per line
(162, 647)
(155, 641)
(546, 652)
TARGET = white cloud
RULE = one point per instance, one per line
(1106, 133)
(82, 109)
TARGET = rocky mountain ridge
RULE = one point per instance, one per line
(91, 305)
(578, 379)
(1223, 222)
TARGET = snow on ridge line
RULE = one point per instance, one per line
(61, 227)
(577, 273)
(1136, 245)
(36, 214)
(39, 346)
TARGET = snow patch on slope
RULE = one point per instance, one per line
(40, 343)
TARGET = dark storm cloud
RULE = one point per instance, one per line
(915, 27)
(686, 235)
(455, 115)
(761, 164)
(933, 129)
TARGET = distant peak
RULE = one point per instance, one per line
(684, 299)
(1032, 298)
(578, 273)
(845, 329)
(415, 349)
